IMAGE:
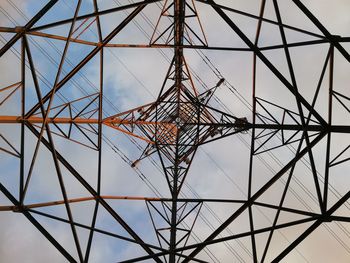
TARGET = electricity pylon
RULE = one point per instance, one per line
(176, 124)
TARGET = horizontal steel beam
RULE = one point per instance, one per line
(117, 121)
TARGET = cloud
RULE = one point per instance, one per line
(30, 245)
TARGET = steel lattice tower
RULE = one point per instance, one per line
(180, 120)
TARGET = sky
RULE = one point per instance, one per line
(133, 77)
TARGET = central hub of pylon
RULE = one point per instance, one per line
(176, 123)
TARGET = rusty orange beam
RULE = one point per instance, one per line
(8, 119)
(57, 37)
(129, 133)
(130, 111)
(77, 200)
(17, 84)
(90, 43)
(110, 122)
(33, 119)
